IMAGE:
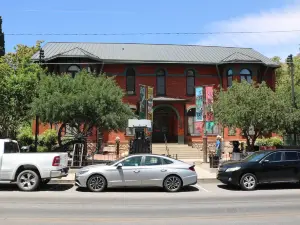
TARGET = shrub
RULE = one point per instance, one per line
(25, 136)
(48, 139)
(261, 142)
(276, 141)
(42, 148)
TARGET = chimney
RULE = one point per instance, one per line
(2, 42)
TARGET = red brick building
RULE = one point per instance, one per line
(173, 70)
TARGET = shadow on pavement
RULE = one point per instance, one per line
(149, 190)
(48, 187)
(281, 186)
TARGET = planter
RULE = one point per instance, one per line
(262, 147)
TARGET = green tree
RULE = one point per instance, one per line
(248, 107)
(18, 81)
(95, 101)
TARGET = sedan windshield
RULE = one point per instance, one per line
(255, 156)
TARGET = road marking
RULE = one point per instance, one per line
(201, 188)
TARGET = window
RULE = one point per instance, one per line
(229, 77)
(129, 131)
(192, 129)
(73, 70)
(132, 161)
(152, 161)
(291, 156)
(161, 82)
(274, 157)
(166, 161)
(130, 81)
(190, 82)
(246, 75)
(11, 147)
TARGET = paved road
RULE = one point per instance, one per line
(202, 204)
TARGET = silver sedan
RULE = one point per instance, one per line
(144, 170)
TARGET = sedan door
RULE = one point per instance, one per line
(130, 171)
(153, 171)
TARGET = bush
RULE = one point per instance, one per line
(48, 139)
(42, 148)
(261, 142)
(273, 141)
(25, 136)
(276, 141)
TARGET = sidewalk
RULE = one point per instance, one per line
(203, 175)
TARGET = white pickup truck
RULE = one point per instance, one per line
(29, 170)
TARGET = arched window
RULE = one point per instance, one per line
(190, 82)
(246, 75)
(73, 70)
(229, 77)
(161, 82)
(130, 81)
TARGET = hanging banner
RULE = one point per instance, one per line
(209, 98)
(210, 127)
(150, 105)
(198, 128)
(199, 104)
(143, 102)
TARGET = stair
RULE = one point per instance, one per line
(183, 152)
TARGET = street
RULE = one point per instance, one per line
(208, 203)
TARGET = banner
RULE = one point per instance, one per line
(209, 98)
(199, 103)
(210, 127)
(198, 128)
(150, 105)
(143, 102)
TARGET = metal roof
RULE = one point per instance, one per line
(153, 53)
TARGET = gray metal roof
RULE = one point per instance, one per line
(153, 53)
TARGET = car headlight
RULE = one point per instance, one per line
(82, 172)
(233, 169)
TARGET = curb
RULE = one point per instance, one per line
(200, 180)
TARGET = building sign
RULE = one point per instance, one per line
(209, 97)
(143, 102)
(199, 104)
(150, 105)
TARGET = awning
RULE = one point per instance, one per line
(168, 99)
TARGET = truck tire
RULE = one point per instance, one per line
(28, 180)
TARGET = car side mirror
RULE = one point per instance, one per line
(119, 165)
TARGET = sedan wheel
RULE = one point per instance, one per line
(172, 183)
(96, 183)
(248, 182)
(28, 180)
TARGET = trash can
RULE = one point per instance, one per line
(213, 161)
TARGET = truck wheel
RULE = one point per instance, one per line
(28, 180)
(45, 181)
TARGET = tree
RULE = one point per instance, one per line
(18, 81)
(87, 99)
(248, 107)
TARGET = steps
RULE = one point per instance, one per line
(183, 152)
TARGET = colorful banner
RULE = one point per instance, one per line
(150, 105)
(143, 102)
(199, 104)
(209, 98)
(210, 127)
(198, 128)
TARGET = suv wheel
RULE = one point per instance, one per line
(248, 182)
(28, 180)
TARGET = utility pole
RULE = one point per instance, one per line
(2, 42)
(41, 59)
(291, 65)
(204, 147)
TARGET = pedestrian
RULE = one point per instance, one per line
(218, 147)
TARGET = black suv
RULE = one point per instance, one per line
(272, 166)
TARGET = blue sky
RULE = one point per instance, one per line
(136, 16)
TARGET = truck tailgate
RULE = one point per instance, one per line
(63, 159)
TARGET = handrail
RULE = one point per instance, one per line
(166, 143)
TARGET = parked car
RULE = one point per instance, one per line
(29, 170)
(143, 170)
(268, 166)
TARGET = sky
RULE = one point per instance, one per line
(146, 16)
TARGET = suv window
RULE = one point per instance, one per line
(132, 161)
(291, 156)
(274, 157)
(152, 161)
(11, 147)
(166, 161)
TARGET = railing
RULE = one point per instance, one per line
(166, 143)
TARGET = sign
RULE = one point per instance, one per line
(209, 99)
(143, 102)
(199, 104)
(150, 105)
